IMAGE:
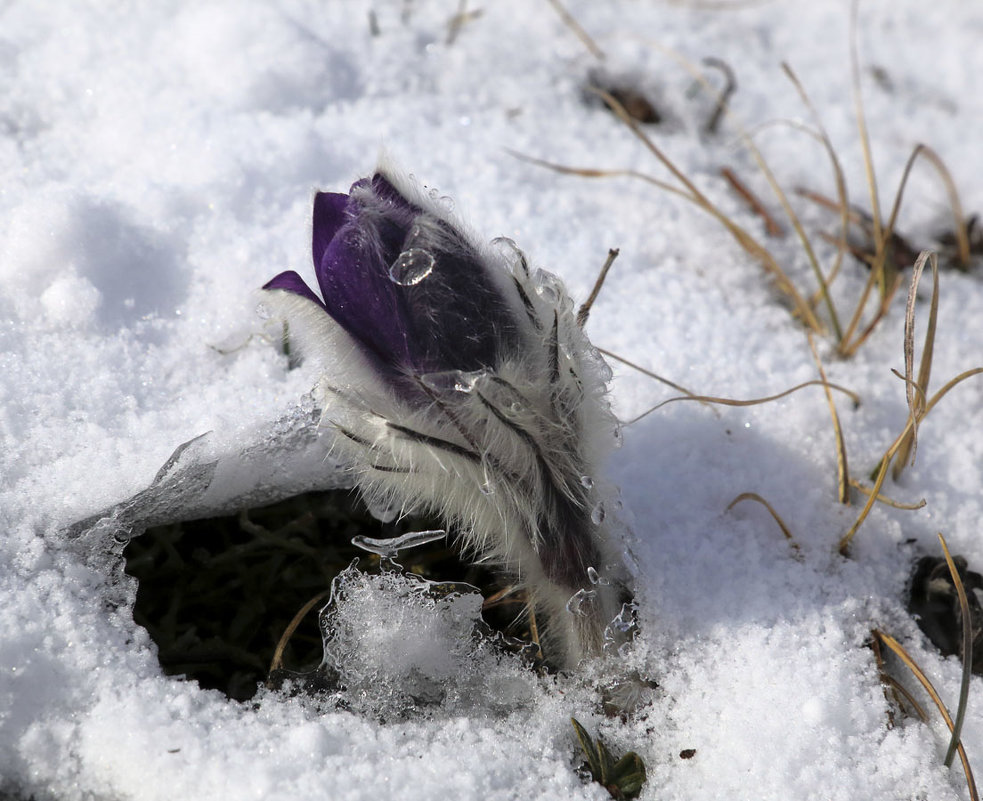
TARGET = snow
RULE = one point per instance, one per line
(158, 163)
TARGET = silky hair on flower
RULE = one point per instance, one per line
(459, 385)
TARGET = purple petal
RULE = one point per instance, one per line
(455, 319)
(292, 282)
(329, 216)
(354, 276)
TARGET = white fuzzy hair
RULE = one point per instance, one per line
(508, 457)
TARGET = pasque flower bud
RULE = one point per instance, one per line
(460, 385)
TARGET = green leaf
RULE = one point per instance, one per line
(587, 744)
(622, 778)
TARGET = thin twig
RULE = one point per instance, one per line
(584, 311)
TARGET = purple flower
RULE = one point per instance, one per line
(384, 264)
(477, 397)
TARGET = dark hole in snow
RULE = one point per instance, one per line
(216, 594)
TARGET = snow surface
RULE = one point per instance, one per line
(158, 163)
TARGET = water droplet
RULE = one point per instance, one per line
(597, 514)
(388, 548)
(385, 511)
(548, 293)
(452, 380)
(411, 267)
(596, 579)
(619, 437)
(512, 255)
(587, 482)
(578, 599)
(307, 404)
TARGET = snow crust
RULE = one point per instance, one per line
(157, 165)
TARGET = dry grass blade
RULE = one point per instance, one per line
(908, 507)
(917, 392)
(592, 172)
(743, 238)
(967, 653)
(858, 104)
(793, 218)
(890, 453)
(771, 224)
(754, 402)
(842, 468)
(875, 492)
(572, 24)
(948, 386)
(879, 273)
(961, 228)
(650, 374)
(753, 496)
(841, 193)
(459, 20)
(277, 661)
(919, 674)
(901, 690)
(896, 687)
(762, 253)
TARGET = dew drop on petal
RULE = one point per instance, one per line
(597, 514)
(411, 267)
(587, 482)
